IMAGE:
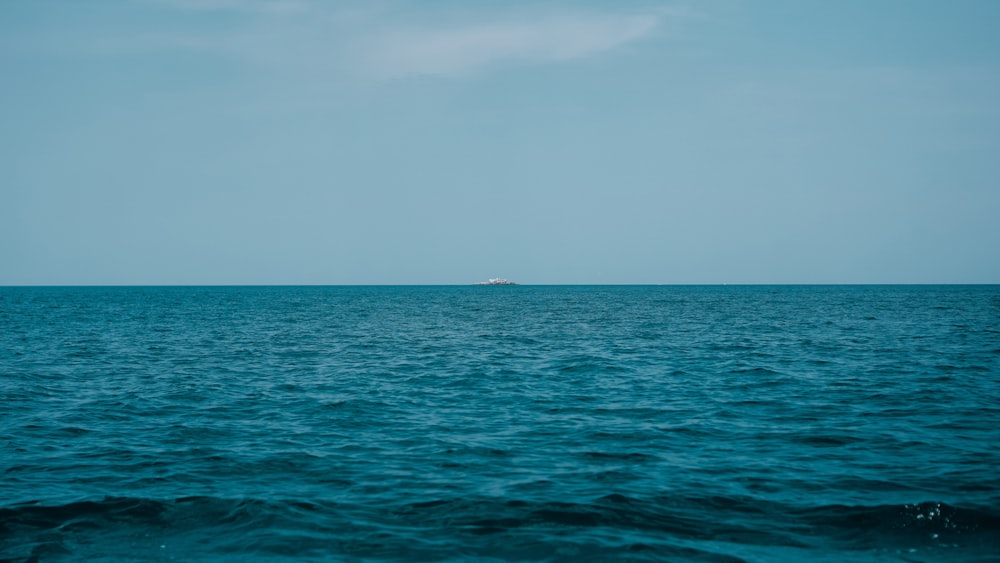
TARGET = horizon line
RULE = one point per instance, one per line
(474, 284)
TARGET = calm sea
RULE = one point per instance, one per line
(783, 423)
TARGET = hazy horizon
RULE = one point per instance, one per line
(299, 142)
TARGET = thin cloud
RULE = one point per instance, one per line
(460, 49)
(381, 40)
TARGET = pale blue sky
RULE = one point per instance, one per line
(440, 142)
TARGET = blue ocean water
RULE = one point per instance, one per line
(716, 423)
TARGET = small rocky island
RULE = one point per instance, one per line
(495, 281)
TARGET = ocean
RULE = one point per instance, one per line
(527, 423)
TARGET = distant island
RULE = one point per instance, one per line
(495, 281)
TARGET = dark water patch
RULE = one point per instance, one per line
(824, 440)
(961, 532)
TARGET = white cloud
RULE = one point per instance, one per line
(382, 40)
(459, 49)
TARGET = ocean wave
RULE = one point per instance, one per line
(615, 525)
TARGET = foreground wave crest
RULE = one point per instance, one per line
(653, 528)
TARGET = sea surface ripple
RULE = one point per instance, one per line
(680, 423)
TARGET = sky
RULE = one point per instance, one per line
(549, 142)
